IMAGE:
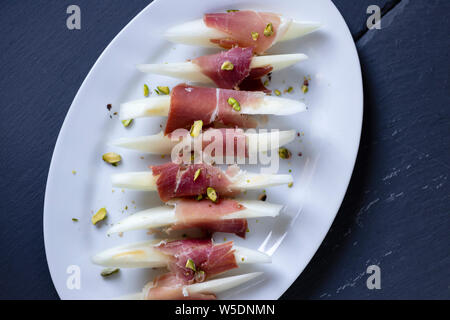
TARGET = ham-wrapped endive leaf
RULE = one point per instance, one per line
(187, 104)
(173, 180)
(169, 287)
(251, 142)
(206, 256)
(232, 69)
(224, 215)
(246, 28)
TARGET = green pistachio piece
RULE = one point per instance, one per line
(196, 128)
(190, 264)
(146, 90)
(268, 30)
(197, 173)
(163, 90)
(277, 92)
(255, 35)
(284, 153)
(99, 216)
(211, 193)
(112, 158)
(227, 65)
(109, 271)
(126, 123)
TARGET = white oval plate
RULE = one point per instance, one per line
(329, 143)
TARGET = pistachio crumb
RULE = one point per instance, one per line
(126, 123)
(232, 10)
(227, 65)
(234, 103)
(266, 83)
(190, 264)
(255, 35)
(196, 128)
(74, 172)
(146, 91)
(112, 158)
(242, 259)
(290, 184)
(268, 30)
(163, 90)
(284, 153)
(290, 89)
(99, 216)
(277, 92)
(109, 271)
(197, 173)
(74, 219)
(304, 89)
(211, 193)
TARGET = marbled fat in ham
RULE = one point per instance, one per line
(239, 27)
(177, 180)
(190, 103)
(210, 216)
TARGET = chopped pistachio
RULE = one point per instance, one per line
(199, 197)
(74, 172)
(234, 103)
(227, 65)
(290, 170)
(112, 158)
(304, 89)
(255, 35)
(284, 153)
(248, 230)
(109, 271)
(146, 90)
(74, 219)
(268, 30)
(211, 193)
(157, 92)
(290, 89)
(277, 92)
(266, 83)
(197, 173)
(164, 90)
(99, 216)
(242, 259)
(126, 123)
(290, 184)
(196, 128)
(190, 264)
(232, 10)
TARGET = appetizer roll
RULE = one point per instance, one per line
(169, 287)
(187, 104)
(223, 215)
(173, 180)
(230, 140)
(187, 257)
(236, 68)
(260, 30)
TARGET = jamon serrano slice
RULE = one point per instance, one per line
(226, 215)
(177, 180)
(187, 104)
(147, 254)
(246, 73)
(239, 28)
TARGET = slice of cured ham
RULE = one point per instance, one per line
(206, 258)
(241, 58)
(190, 103)
(240, 25)
(209, 216)
(170, 287)
(177, 180)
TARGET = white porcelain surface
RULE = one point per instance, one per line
(331, 128)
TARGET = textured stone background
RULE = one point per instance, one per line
(395, 213)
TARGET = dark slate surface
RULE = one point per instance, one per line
(395, 213)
